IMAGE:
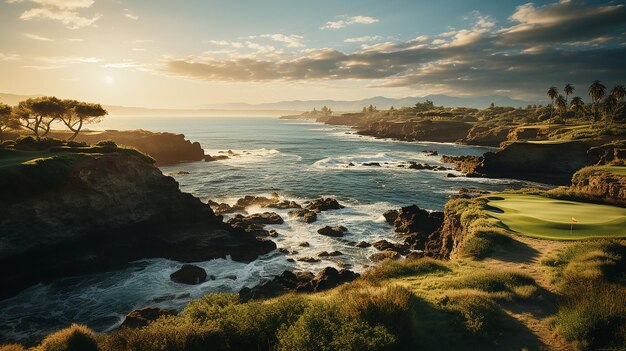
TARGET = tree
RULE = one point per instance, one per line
(372, 109)
(618, 93)
(577, 106)
(596, 92)
(552, 93)
(364, 110)
(37, 115)
(6, 119)
(561, 105)
(78, 113)
(569, 90)
(609, 105)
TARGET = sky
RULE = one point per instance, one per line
(193, 53)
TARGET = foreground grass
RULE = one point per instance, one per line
(547, 218)
(591, 280)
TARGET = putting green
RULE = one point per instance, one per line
(542, 217)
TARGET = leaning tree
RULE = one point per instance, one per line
(38, 114)
(78, 113)
(6, 120)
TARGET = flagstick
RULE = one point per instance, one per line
(571, 227)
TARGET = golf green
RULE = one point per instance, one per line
(547, 218)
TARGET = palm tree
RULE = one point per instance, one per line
(552, 93)
(561, 105)
(569, 90)
(609, 105)
(618, 93)
(577, 106)
(596, 92)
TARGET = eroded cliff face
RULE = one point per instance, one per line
(76, 214)
(439, 131)
(601, 184)
(447, 240)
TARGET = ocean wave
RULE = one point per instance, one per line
(240, 157)
(380, 161)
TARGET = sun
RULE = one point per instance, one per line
(108, 80)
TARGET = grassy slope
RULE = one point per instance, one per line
(546, 218)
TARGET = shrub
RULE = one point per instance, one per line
(107, 143)
(481, 316)
(506, 284)
(75, 338)
(324, 326)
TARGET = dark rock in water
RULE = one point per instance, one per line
(384, 245)
(291, 260)
(221, 208)
(384, 255)
(350, 164)
(288, 281)
(285, 204)
(371, 164)
(336, 231)
(179, 173)
(273, 233)
(329, 278)
(219, 157)
(363, 244)
(307, 216)
(258, 218)
(430, 152)
(304, 244)
(283, 250)
(390, 216)
(323, 204)
(143, 317)
(329, 254)
(209, 158)
(189, 274)
(415, 224)
(451, 175)
(308, 259)
(261, 201)
(231, 277)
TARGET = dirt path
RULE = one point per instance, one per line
(526, 256)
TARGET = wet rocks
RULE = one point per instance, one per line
(189, 274)
(308, 216)
(288, 281)
(308, 259)
(363, 244)
(259, 218)
(329, 254)
(284, 204)
(430, 152)
(414, 224)
(384, 255)
(304, 244)
(384, 245)
(243, 203)
(371, 164)
(142, 317)
(336, 231)
(323, 204)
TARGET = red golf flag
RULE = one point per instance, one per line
(574, 220)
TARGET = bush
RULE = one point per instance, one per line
(74, 338)
(325, 327)
(505, 284)
(12, 347)
(481, 316)
(592, 312)
(107, 143)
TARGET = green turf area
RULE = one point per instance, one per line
(546, 218)
(619, 170)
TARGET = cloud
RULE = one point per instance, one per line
(363, 39)
(37, 37)
(348, 21)
(9, 57)
(56, 62)
(291, 41)
(565, 21)
(128, 14)
(64, 11)
(480, 59)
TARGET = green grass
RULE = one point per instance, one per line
(618, 170)
(547, 218)
(590, 277)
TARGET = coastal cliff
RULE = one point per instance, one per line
(165, 148)
(69, 213)
(423, 130)
(605, 183)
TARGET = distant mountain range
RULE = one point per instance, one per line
(379, 101)
(296, 106)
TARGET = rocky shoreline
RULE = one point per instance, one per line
(80, 214)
